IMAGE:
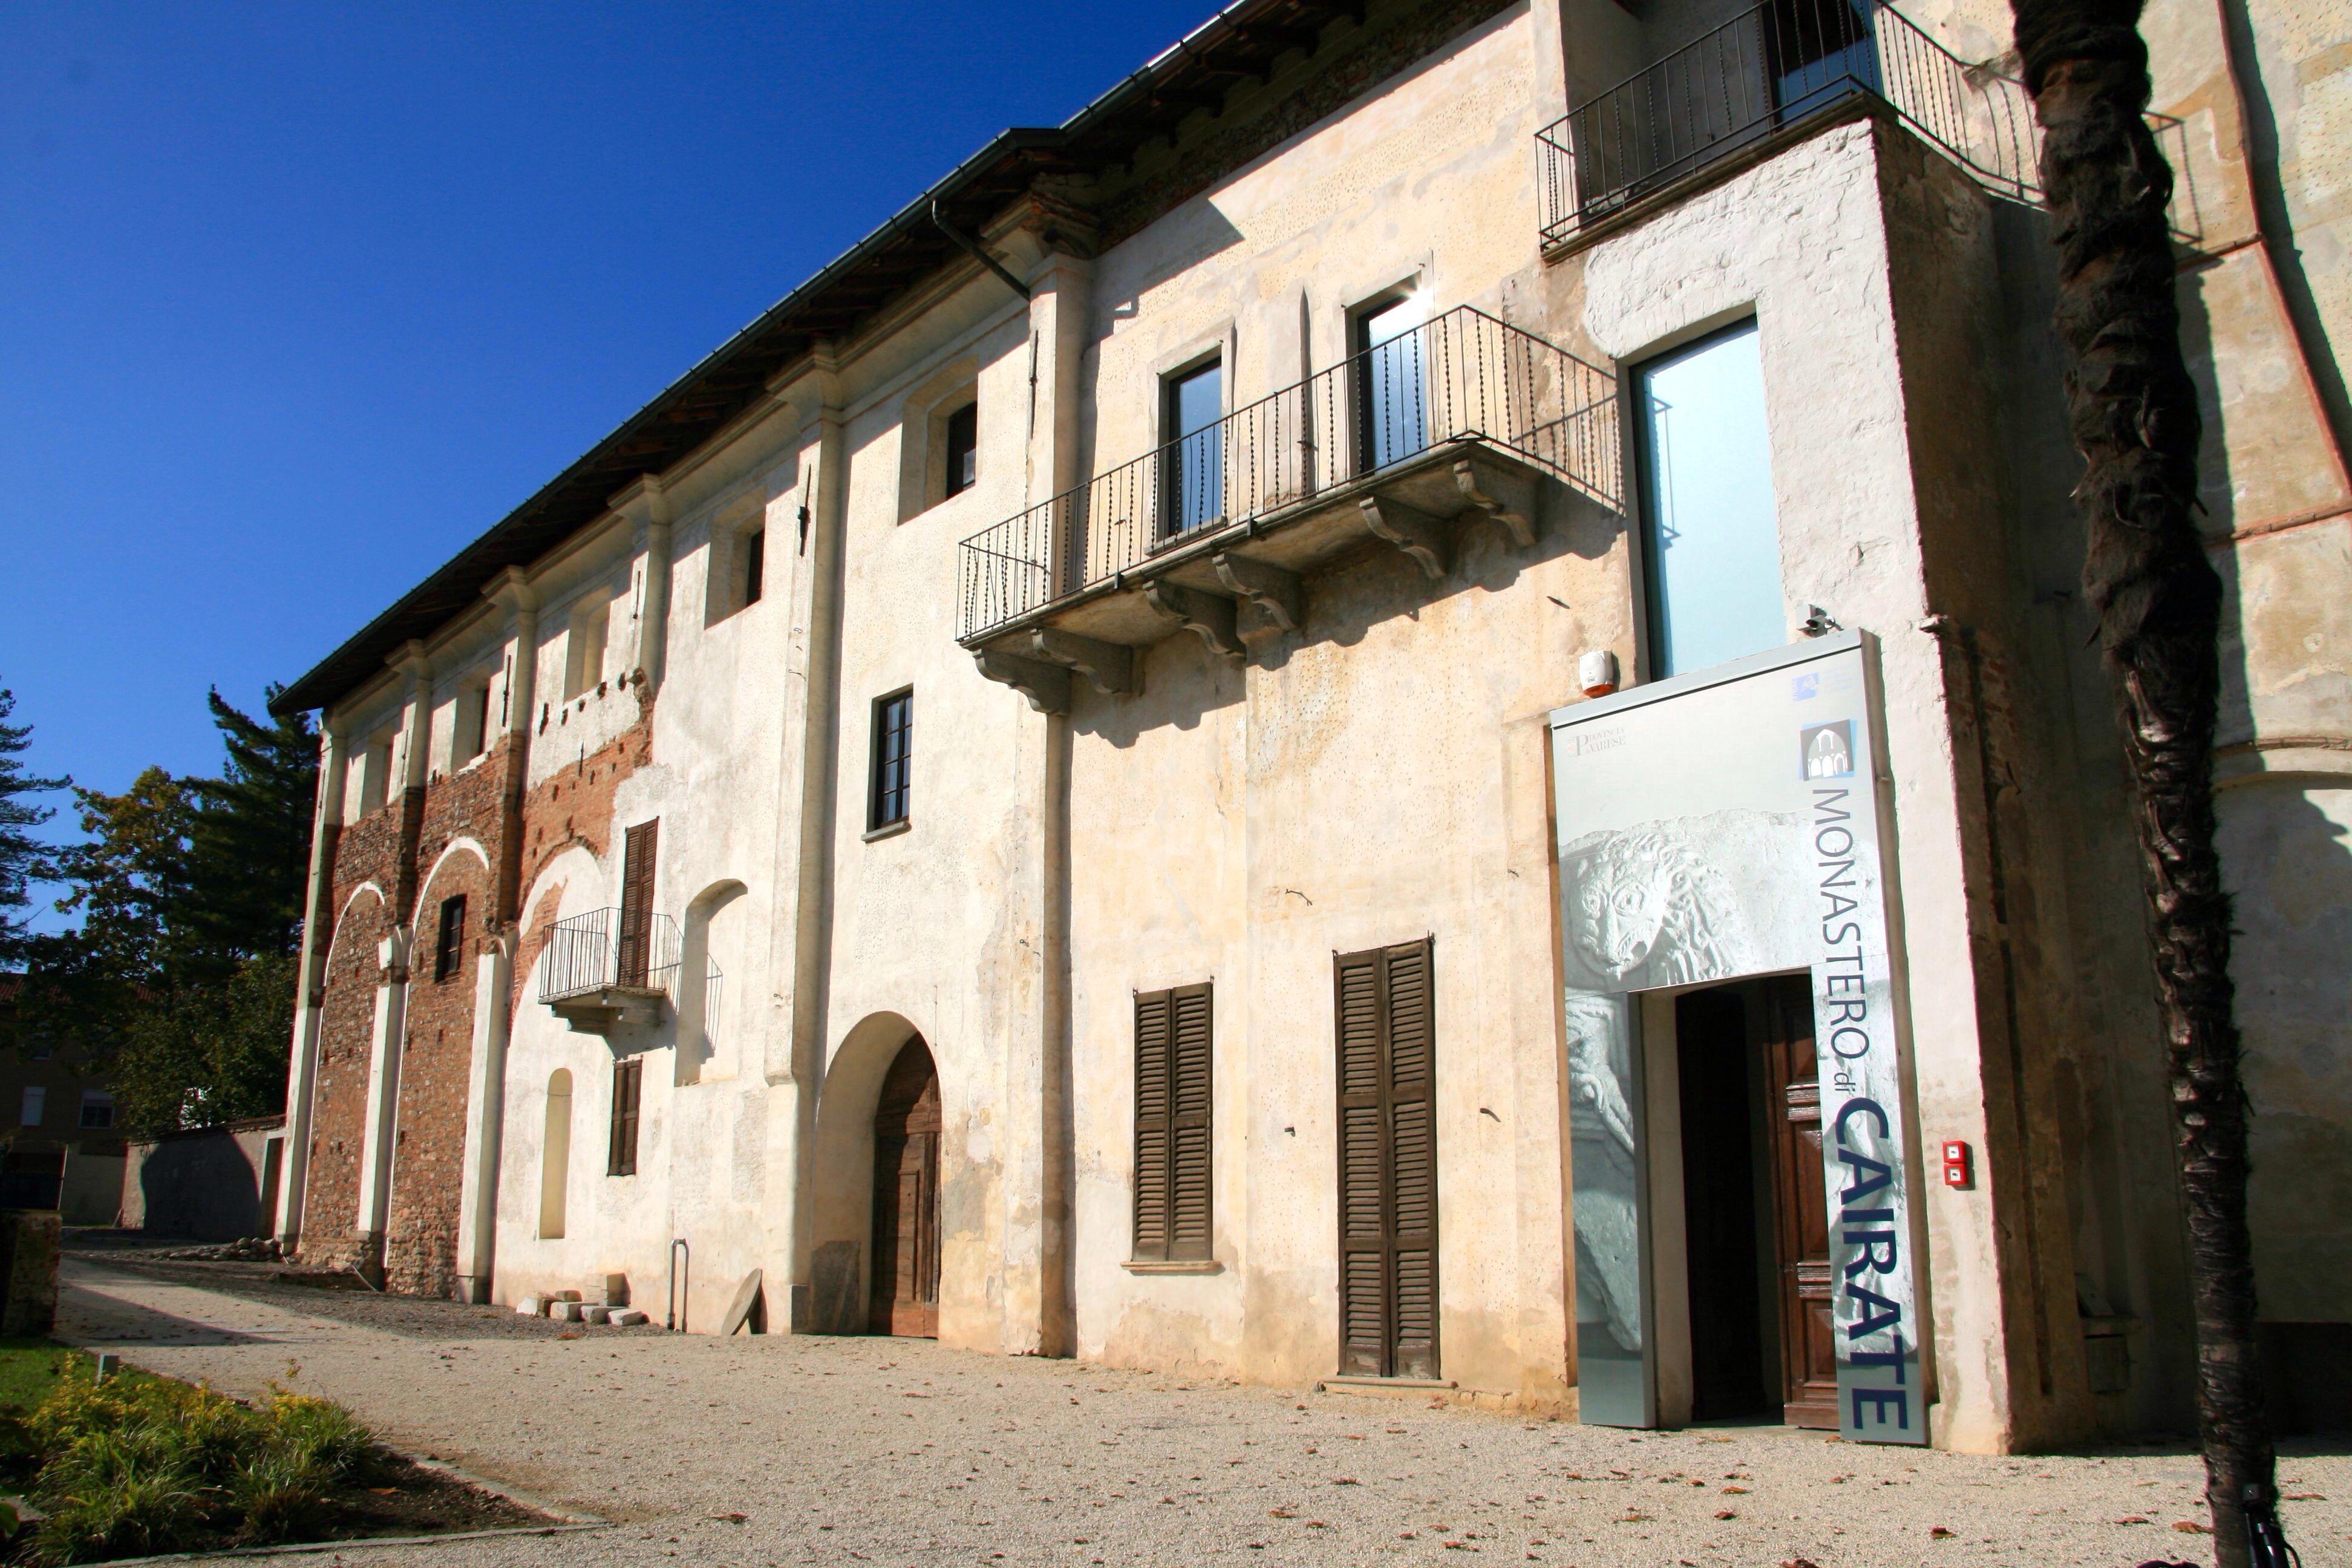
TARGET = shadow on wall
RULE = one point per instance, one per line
(216, 1185)
(2286, 856)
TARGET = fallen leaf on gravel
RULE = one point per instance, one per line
(1799, 1563)
(730, 1517)
(2305, 1497)
(1345, 1481)
(1736, 1492)
(2191, 1527)
(384, 1491)
(2132, 1518)
(1725, 1513)
(1940, 1533)
(1281, 1513)
(1633, 1518)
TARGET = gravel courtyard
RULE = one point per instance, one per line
(789, 1451)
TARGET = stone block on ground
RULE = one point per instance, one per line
(745, 1307)
(530, 1307)
(630, 1319)
(566, 1311)
(616, 1289)
(595, 1314)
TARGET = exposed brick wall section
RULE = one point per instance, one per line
(367, 850)
(574, 807)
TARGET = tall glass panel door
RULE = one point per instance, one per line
(1391, 385)
(1194, 475)
(1822, 50)
(1711, 535)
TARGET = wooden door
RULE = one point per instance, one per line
(1801, 1206)
(636, 943)
(903, 1294)
(1388, 1162)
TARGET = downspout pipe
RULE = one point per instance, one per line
(966, 242)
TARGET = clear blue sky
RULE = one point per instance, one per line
(296, 299)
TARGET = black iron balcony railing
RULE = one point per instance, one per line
(1775, 66)
(1461, 376)
(618, 949)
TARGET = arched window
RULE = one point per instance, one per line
(555, 1155)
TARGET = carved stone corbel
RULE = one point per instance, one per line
(1047, 685)
(1419, 535)
(1508, 498)
(1277, 593)
(1112, 667)
(1210, 614)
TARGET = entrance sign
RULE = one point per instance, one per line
(1713, 826)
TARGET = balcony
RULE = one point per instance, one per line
(609, 967)
(1758, 81)
(1462, 419)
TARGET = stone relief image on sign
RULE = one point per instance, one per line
(1674, 902)
(1602, 1151)
(1714, 827)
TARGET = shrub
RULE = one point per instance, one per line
(143, 1464)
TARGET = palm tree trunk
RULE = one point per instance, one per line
(2132, 412)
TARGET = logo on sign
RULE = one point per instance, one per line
(1828, 750)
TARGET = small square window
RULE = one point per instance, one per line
(962, 449)
(894, 743)
(97, 1108)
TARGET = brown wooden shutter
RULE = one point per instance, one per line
(628, 1077)
(1152, 1126)
(637, 903)
(1388, 1161)
(1189, 1068)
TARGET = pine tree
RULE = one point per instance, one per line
(24, 860)
(248, 845)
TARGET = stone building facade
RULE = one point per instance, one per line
(1244, 483)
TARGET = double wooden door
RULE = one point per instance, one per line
(903, 1294)
(1800, 1205)
(1388, 1162)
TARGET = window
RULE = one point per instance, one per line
(1193, 459)
(555, 1156)
(1392, 388)
(636, 943)
(894, 743)
(1711, 543)
(449, 949)
(1819, 50)
(962, 449)
(36, 1105)
(97, 1108)
(755, 565)
(375, 773)
(584, 651)
(473, 725)
(1172, 1051)
(1382, 1002)
(628, 1077)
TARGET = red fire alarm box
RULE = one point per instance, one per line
(1960, 1171)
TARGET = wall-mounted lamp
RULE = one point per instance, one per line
(1596, 672)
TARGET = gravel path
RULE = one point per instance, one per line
(787, 1451)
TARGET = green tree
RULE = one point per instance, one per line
(247, 864)
(24, 860)
(181, 974)
(2131, 410)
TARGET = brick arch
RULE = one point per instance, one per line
(339, 1090)
(420, 1255)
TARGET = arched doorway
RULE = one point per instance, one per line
(903, 1290)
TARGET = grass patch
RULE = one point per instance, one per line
(30, 1368)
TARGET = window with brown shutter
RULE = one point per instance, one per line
(628, 1078)
(1386, 1044)
(635, 945)
(1174, 1046)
